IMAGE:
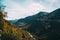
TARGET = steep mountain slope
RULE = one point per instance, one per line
(29, 20)
(43, 26)
(54, 21)
(34, 24)
(10, 32)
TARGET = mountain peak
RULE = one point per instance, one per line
(42, 12)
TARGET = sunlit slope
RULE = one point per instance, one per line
(10, 32)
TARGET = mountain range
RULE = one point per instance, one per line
(43, 25)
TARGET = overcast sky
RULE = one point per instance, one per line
(22, 8)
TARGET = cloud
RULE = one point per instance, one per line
(49, 4)
(52, 1)
(35, 7)
(15, 10)
(19, 9)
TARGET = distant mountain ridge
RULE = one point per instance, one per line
(43, 26)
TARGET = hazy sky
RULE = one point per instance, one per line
(23, 8)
